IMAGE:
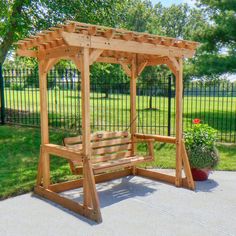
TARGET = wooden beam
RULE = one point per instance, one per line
(62, 51)
(26, 53)
(77, 61)
(125, 68)
(178, 123)
(67, 203)
(109, 33)
(142, 38)
(92, 30)
(79, 40)
(52, 62)
(40, 169)
(45, 162)
(62, 151)
(85, 92)
(163, 60)
(90, 193)
(175, 63)
(47, 36)
(112, 60)
(172, 68)
(127, 36)
(141, 67)
(43, 101)
(65, 186)
(94, 55)
(159, 138)
(158, 61)
(187, 169)
(133, 93)
(155, 175)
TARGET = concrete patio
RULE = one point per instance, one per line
(131, 206)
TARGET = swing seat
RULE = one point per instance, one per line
(110, 151)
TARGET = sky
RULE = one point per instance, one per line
(170, 2)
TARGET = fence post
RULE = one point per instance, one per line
(2, 96)
(169, 105)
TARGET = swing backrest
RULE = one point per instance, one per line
(105, 146)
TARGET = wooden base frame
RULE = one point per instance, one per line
(90, 210)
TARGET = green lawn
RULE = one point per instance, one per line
(20, 151)
(113, 113)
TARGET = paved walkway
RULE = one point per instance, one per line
(132, 206)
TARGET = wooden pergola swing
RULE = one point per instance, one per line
(105, 156)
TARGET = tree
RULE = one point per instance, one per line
(20, 18)
(217, 55)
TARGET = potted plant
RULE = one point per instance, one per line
(200, 145)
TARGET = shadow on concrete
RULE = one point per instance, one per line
(206, 186)
(110, 193)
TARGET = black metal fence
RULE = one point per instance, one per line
(214, 103)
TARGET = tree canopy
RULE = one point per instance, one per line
(212, 23)
(217, 55)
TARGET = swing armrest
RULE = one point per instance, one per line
(150, 143)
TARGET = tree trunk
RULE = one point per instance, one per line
(107, 94)
(12, 26)
(150, 101)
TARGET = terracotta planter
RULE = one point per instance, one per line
(200, 174)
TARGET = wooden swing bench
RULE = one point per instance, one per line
(110, 151)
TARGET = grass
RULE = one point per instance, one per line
(113, 113)
(20, 151)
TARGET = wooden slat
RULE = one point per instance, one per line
(120, 163)
(97, 136)
(111, 149)
(106, 143)
(61, 151)
(108, 157)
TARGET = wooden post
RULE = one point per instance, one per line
(178, 121)
(85, 93)
(90, 193)
(133, 114)
(44, 122)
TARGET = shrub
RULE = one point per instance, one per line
(17, 86)
(200, 144)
